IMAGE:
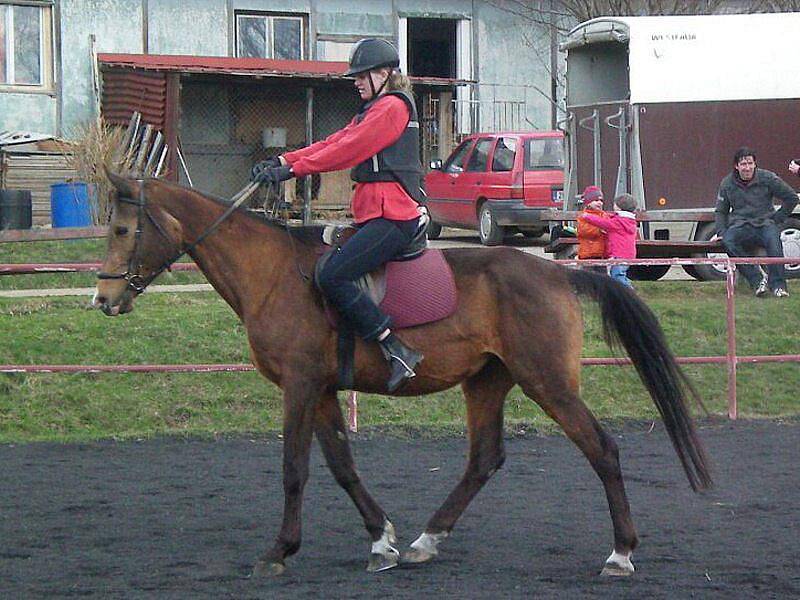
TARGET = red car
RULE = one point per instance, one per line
(497, 183)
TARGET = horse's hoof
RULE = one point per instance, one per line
(264, 568)
(415, 556)
(623, 567)
(381, 562)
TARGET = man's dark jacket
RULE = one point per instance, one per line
(751, 202)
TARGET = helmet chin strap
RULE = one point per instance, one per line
(383, 85)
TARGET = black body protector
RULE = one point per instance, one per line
(400, 161)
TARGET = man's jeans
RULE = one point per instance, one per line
(739, 240)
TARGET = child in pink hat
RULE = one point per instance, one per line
(620, 229)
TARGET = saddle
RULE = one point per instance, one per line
(416, 288)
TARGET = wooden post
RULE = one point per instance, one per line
(172, 114)
(445, 119)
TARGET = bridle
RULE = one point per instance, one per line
(137, 283)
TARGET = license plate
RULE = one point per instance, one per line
(558, 196)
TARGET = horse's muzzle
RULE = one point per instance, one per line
(111, 309)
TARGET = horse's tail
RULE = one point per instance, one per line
(628, 321)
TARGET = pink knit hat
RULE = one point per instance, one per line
(592, 193)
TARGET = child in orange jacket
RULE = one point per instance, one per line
(591, 239)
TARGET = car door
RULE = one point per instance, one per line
(472, 182)
(443, 187)
(544, 171)
(500, 177)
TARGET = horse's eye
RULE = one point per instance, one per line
(121, 230)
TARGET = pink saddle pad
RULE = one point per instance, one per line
(419, 291)
(413, 292)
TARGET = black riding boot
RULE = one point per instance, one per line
(402, 360)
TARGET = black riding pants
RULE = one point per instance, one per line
(377, 241)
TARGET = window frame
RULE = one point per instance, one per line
(527, 166)
(489, 143)
(46, 83)
(515, 152)
(450, 165)
(269, 18)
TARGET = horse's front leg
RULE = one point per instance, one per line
(332, 435)
(299, 400)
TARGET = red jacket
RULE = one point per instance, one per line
(381, 127)
(591, 239)
(620, 230)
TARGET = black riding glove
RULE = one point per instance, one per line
(259, 167)
(274, 175)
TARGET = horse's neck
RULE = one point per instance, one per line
(242, 259)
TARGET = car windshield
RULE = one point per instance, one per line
(544, 153)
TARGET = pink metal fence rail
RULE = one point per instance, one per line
(730, 359)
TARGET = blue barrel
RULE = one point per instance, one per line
(70, 205)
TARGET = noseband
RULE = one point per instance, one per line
(138, 282)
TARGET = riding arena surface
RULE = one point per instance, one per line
(177, 518)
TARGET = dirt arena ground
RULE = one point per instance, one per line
(171, 518)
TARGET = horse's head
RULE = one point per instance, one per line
(142, 240)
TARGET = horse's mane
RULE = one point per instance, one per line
(308, 235)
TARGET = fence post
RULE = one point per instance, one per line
(731, 318)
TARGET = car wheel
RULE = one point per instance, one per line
(490, 232)
(434, 230)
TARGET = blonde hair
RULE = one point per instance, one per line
(398, 82)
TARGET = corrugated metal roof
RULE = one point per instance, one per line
(9, 138)
(126, 91)
(264, 67)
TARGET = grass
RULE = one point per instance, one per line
(200, 328)
(89, 250)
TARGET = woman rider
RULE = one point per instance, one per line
(381, 146)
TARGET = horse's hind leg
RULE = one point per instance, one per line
(485, 395)
(329, 426)
(557, 393)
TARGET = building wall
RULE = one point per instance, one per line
(28, 112)
(504, 62)
(193, 27)
(117, 27)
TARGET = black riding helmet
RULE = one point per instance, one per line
(372, 53)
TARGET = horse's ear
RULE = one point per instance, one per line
(125, 187)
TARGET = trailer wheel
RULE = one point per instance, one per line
(434, 230)
(713, 272)
(490, 232)
(790, 237)
(647, 272)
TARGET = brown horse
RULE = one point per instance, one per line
(518, 321)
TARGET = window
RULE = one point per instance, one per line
(25, 53)
(504, 154)
(547, 153)
(480, 156)
(270, 36)
(456, 160)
